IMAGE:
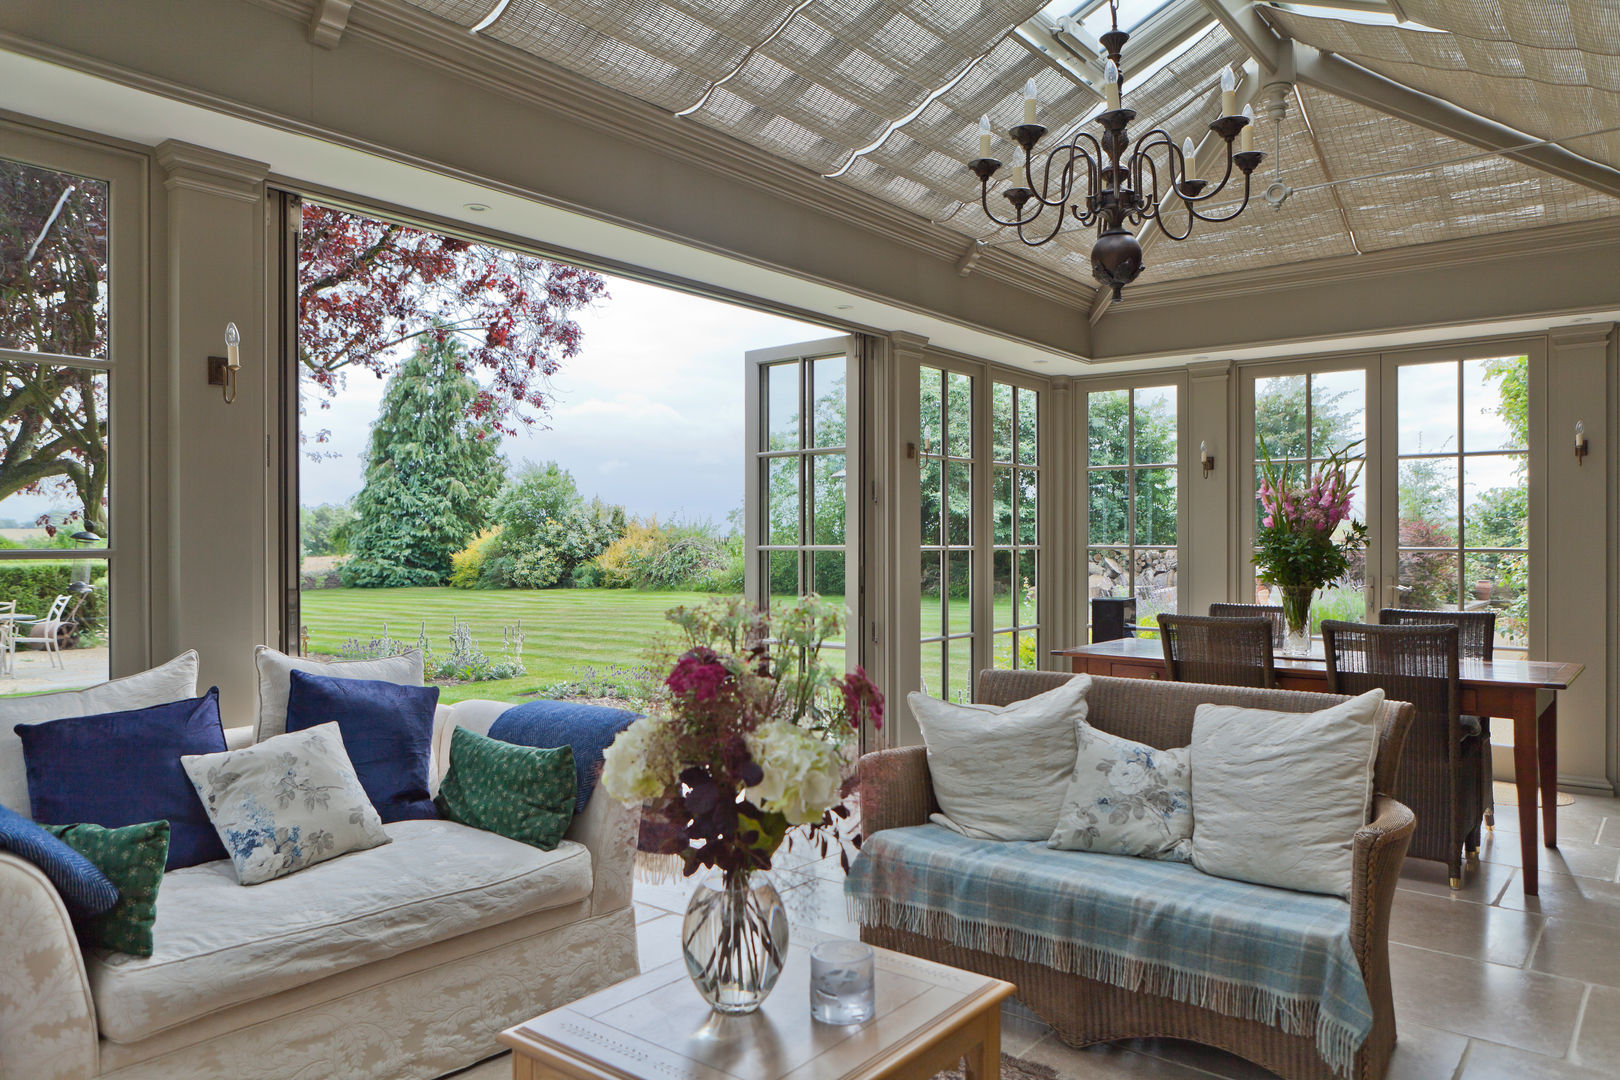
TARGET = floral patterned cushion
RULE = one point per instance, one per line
(1127, 798)
(286, 803)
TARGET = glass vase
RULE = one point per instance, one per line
(1296, 605)
(735, 940)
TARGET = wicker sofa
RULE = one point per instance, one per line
(896, 792)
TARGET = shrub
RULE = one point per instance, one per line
(587, 575)
(33, 585)
(542, 511)
(467, 565)
(675, 556)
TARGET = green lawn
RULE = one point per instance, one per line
(564, 629)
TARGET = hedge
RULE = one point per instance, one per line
(33, 585)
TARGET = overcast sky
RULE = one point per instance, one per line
(649, 414)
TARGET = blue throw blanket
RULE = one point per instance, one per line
(587, 729)
(1247, 951)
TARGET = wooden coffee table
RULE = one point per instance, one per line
(656, 1027)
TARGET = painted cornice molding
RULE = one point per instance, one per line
(1603, 232)
(212, 172)
(1583, 336)
(515, 74)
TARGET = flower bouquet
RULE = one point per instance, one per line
(1306, 534)
(750, 737)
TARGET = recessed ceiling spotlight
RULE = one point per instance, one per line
(845, 307)
(475, 207)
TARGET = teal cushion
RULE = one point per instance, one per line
(521, 792)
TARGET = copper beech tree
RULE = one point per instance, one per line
(366, 287)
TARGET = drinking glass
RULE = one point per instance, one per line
(841, 979)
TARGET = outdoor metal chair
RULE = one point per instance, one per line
(1440, 765)
(1274, 612)
(1226, 652)
(45, 633)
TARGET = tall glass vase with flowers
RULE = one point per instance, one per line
(751, 738)
(1306, 534)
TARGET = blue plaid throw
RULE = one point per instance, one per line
(1248, 951)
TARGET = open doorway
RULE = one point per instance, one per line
(517, 464)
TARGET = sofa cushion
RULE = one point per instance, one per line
(387, 730)
(979, 753)
(123, 768)
(172, 681)
(132, 857)
(1127, 798)
(218, 944)
(275, 680)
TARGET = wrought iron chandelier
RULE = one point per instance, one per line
(1119, 188)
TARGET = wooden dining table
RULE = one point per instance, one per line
(1524, 691)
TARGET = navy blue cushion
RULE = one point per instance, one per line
(387, 729)
(85, 890)
(123, 768)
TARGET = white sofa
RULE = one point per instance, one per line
(403, 961)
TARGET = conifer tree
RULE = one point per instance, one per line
(432, 472)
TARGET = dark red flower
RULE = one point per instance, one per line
(699, 675)
(862, 697)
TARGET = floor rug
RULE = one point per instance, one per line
(1011, 1069)
(1508, 795)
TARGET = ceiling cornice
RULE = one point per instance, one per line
(501, 69)
(1604, 232)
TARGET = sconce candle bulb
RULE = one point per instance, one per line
(1580, 443)
(1205, 458)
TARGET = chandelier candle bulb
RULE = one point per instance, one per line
(1111, 85)
(1031, 99)
(1189, 155)
(1246, 140)
(984, 136)
(1228, 92)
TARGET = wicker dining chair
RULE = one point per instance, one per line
(1476, 640)
(1440, 765)
(1274, 612)
(1225, 652)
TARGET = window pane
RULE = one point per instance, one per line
(1028, 424)
(1427, 496)
(1001, 421)
(29, 592)
(1106, 573)
(1496, 499)
(932, 586)
(1156, 425)
(1155, 506)
(53, 273)
(53, 457)
(959, 587)
(933, 669)
(784, 500)
(1498, 581)
(1107, 427)
(1001, 497)
(827, 386)
(959, 415)
(782, 570)
(1428, 408)
(1155, 584)
(1338, 412)
(1003, 656)
(1003, 615)
(1496, 403)
(782, 406)
(1106, 501)
(958, 502)
(930, 408)
(932, 500)
(1026, 610)
(1279, 416)
(959, 662)
(827, 574)
(1427, 579)
(827, 499)
(1028, 506)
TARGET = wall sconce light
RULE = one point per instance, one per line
(222, 369)
(1580, 443)
(1205, 458)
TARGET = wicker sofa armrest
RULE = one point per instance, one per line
(1377, 852)
(896, 790)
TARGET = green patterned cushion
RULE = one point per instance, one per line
(133, 858)
(521, 792)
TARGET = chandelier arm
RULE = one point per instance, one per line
(1048, 238)
(1016, 222)
(1065, 178)
(1164, 227)
(1217, 220)
(1214, 191)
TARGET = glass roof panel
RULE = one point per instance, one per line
(1094, 15)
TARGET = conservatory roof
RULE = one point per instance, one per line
(1408, 121)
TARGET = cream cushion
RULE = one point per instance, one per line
(218, 944)
(275, 680)
(173, 681)
(1277, 797)
(1000, 772)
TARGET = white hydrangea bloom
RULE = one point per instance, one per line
(803, 772)
(637, 766)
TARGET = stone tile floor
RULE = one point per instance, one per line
(1489, 984)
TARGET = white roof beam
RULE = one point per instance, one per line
(1351, 81)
